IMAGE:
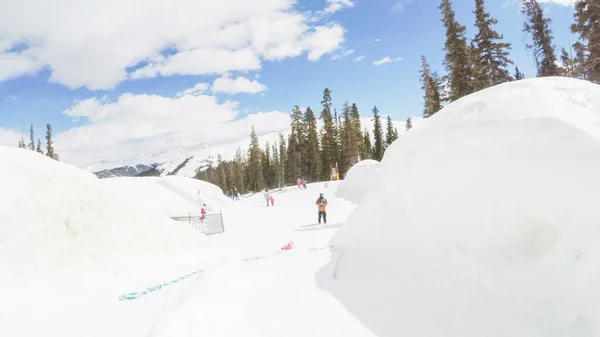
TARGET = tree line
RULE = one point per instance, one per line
(484, 61)
(38, 148)
(308, 152)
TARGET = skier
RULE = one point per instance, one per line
(304, 183)
(237, 195)
(272, 200)
(267, 197)
(299, 181)
(322, 204)
(203, 213)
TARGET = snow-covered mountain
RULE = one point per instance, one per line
(124, 171)
(185, 162)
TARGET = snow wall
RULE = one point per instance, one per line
(57, 216)
(485, 221)
(359, 180)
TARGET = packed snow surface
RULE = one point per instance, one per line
(359, 180)
(69, 242)
(485, 221)
(482, 221)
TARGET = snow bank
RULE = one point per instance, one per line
(170, 195)
(57, 216)
(359, 180)
(485, 221)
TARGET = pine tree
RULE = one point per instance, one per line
(408, 124)
(587, 25)
(379, 146)
(518, 75)
(329, 145)
(478, 77)
(348, 143)
(541, 35)
(431, 87)
(367, 148)
(357, 134)
(492, 54)
(255, 165)
(282, 159)
(391, 133)
(39, 147)
(297, 149)
(276, 170)
(457, 54)
(49, 148)
(239, 164)
(31, 139)
(569, 66)
(298, 128)
(222, 174)
(312, 145)
(267, 166)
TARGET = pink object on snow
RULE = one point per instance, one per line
(289, 246)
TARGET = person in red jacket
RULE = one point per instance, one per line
(322, 205)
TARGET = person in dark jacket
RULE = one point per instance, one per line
(322, 205)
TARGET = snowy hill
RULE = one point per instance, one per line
(484, 221)
(50, 204)
(361, 178)
(69, 241)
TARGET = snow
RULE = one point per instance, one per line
(359, 180)
(484, 221)
(70, 244)
(481, 221)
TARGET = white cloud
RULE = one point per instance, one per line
(377, 40)
(343, 54)
(93, 43)
(9, 137)
(386, 60)
(360, 58)
(323, 41)
(238, 85)
(399, 5)
(336, 5)
(17, 64)
(198, 89)
(151, 124)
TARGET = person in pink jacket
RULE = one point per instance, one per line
(203, 213)
(299, 183)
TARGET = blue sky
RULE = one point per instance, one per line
(372, 29)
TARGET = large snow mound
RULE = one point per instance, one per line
(57, 216)
(359, 180)
(485, 221)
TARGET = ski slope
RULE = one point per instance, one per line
(72, 244)
(481, 221)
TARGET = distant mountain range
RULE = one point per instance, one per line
(186, 162)
(125, 171)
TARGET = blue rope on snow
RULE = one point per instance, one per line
(336, 268)
(136, 295)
